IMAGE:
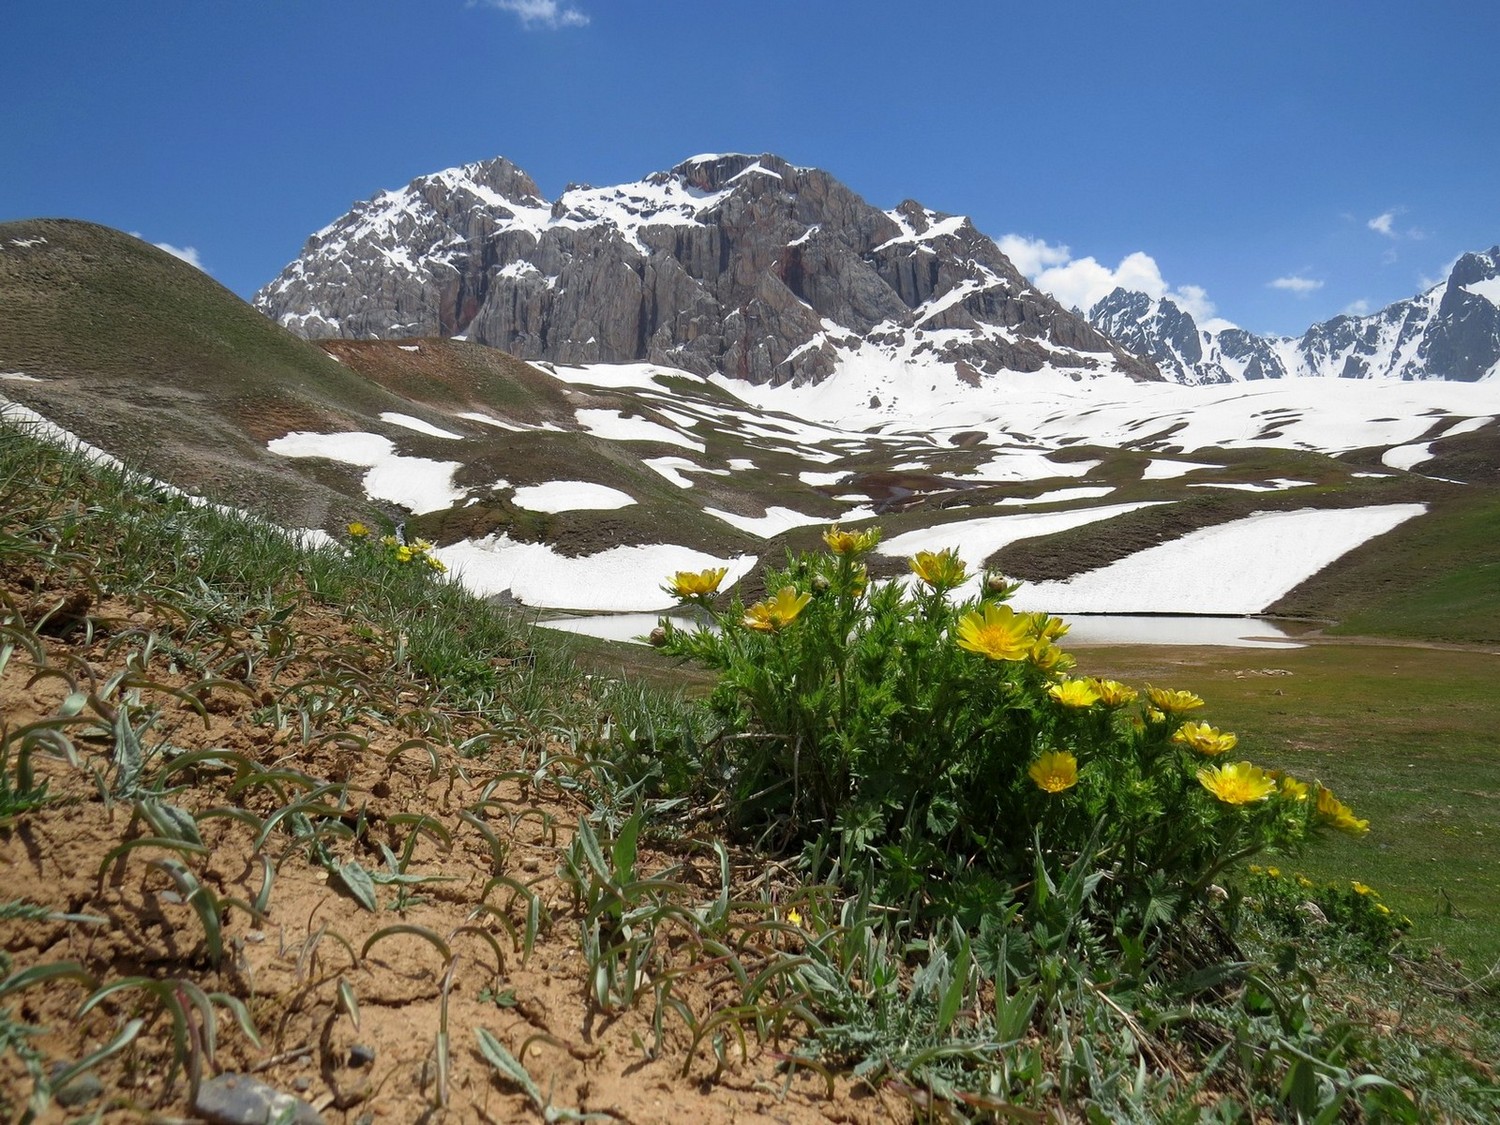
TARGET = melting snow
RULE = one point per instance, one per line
(19, 377)
(1089, 492)
(1407, 456)
(416, 483)
(624, 578)
(673, 467)
(1239, 567)
(614, 425)
(571, 496)
(421, 427)
(775, 521)
(1489, 289)
(819, 479)
(1249, 486)
(1168, 470)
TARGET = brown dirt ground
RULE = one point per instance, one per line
(287, 966)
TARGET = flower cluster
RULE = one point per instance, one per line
(936, 733)
(417, 553)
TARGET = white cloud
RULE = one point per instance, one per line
(1382, 224)
(1301, 286)
(548, 14)
(1080, 283)
(1360, 307)
(188, 254)
(1032, 255)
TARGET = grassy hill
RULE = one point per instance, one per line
(319, 818)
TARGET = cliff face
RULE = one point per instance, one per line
(743, 265)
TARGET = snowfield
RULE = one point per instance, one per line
(884, 410)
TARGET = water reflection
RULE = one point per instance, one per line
(1087, 629)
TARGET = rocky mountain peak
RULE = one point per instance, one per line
(1450, 332)
(736, 263)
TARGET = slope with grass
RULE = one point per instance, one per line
(316, 816)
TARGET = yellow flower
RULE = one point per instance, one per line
(421, 546)
(1054, 771)
(1382, 907)
(1156, 716)
(1292, 789)
(1173, 702)
(390, 541)
(688, 584)
(1341, 816)
(1046, 627)
(1238, 783)
(1274, 872)
(358, 530)
(996, 631)
(1361, 889)
(842, 542)
(942, 570)
(434, 565)
(794, 918)
(778, 612)
(1204, 738)
(1074, 693)
(1112, 693)
(1304, 881)
(1049, 658)
(403, 554)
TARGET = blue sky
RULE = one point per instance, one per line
(1280, 161)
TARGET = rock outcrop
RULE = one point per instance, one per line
(744, 265)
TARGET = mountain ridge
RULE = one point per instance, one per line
(737, 264)
(1450, 331)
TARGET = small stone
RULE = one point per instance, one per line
(171, 898)
(1314, 913)
(302, 1083)
(238, 1099)
(83, 1089)
(531, 863)
(255, 937)
(361, 1055)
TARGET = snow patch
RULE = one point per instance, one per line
(1489, 289)
(416, 483)
(1238, 567)
(615, 425)
(571, 496)
(624, 578)
(406, 421)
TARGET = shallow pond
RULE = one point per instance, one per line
(1087, 629)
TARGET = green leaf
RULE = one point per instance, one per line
(356, 880)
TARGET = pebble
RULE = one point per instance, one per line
(238, 1099)
(83, 1089)
(361, 1055)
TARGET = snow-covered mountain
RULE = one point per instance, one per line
(739, 265)
(1452, 331)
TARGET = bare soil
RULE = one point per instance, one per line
(288, 966)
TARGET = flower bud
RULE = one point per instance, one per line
(658, 637)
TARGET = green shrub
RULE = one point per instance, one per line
(944, 755)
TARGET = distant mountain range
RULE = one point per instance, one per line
(751, 267)
(1452, 331)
